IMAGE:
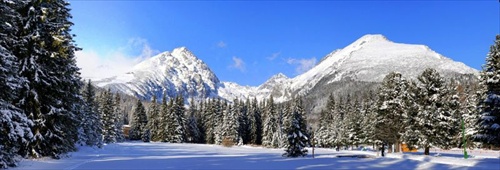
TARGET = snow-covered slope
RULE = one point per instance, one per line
(173, 73)
(372, 57)
(367, 59)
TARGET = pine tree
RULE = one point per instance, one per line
(119, 118)
(180, 121)
(368, 121)
(270, 125)
(200, 121)
(209, 122)
(298, 138)
(107, 117)
(192, 131)
(138, 124)
(154, 120)
(353, 128)
(468, 100)
(255, 123)
(51, 95)
(243, 121)
(229, 126)
(435, 123)
(489, 107)
(393, 108)
(340, 129)
(325, 134)
(164, 117)
(14, 125)
(91, 122)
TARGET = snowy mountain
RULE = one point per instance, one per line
(372, 57)
(172, 73)
(367, 59)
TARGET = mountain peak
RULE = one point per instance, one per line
(279, 76)
(373, 37)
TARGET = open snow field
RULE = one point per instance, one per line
(133, 155)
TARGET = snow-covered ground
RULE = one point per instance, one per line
(132, 155)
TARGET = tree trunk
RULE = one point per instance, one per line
(426, 150)
(389, 148)
(397, 147)
(382, 150)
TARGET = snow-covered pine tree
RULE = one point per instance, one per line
(210, 122)
(298, 138)
(270, 125)
(368, 121)
(353, 128)
(107, 117)
(256, 123)
(469, 100)
(15, 131)
(435, 124)
(119, 115)
(340, 125)
(192, 131)
(51, 95)
(138, 122)
(281, 136)
(392, 108)
(154, 120)
(244, 122)
(91, 122)
(229, 127)
(200, 120)
(489, 99)
(162, 133)
(324, 133)
(180, 121)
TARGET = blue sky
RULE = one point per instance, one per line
(247, 42)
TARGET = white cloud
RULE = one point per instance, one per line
(303, 65)
(238, 63)
(221, 44)
(274, 56)
(118, 61)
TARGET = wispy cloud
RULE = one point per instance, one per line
(116, 61)
(238, 63)
(274, 56)
(303, 64)
(221, 44)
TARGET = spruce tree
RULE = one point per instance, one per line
(243, 121)
(107, 117)
(434, 124)
(325, 134)
(255, 123)
(14, 125)
(368, 121)
(393, 107)
(154, 120)
(180, 121)
(208, 124)
(229, 126)
(138, 123)
(119, 115)
(51, 95)
(298, 138)
(192, 131)
(488, 106)
(161, 133)
(91, 122)
(270, 124)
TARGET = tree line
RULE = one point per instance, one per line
(217, 121)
